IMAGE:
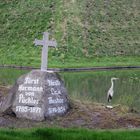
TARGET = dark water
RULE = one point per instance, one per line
(93, 85)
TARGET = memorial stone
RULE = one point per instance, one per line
(40, 95)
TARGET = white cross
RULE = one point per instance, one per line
(45, 42)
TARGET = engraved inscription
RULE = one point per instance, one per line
(55, 101)
(27, 96)
(31, 81)
(28, 100)
(55, 92)
(53, 83)
(23, 88)
(28, 109)
(60, 109)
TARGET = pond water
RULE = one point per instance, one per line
(93, 86)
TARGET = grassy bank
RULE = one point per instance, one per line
(68, 134)
(78, 62)
(97, 61)
(88, 32)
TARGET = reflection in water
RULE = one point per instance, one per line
(93, 85)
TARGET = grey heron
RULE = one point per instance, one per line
(111, 91)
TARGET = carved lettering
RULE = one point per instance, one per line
(60, 109)
(55, 101)
(23, 88)
(31, 81)
(35, 109)
(28, 100)
(21, 108)
(55, 92)
(28, 109)
(29, 93)
(53, 83)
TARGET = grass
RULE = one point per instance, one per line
(96, 62)
(89, 33)
(68, 134)
(81, 62)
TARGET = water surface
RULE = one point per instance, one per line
(94, 86)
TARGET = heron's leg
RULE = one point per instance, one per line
(109, 98)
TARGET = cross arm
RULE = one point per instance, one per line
(38, 42)
(52, 43)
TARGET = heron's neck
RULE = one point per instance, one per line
(112, 84)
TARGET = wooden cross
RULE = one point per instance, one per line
(45, 42)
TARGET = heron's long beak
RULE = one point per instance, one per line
(116, 78)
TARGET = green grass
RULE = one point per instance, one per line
(97, 61)
(68, 134)
(88, 32)
(81, 62)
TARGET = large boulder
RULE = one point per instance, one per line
(38, 95)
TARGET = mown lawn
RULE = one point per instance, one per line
(68, 134)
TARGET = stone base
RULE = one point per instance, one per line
(38, 95)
